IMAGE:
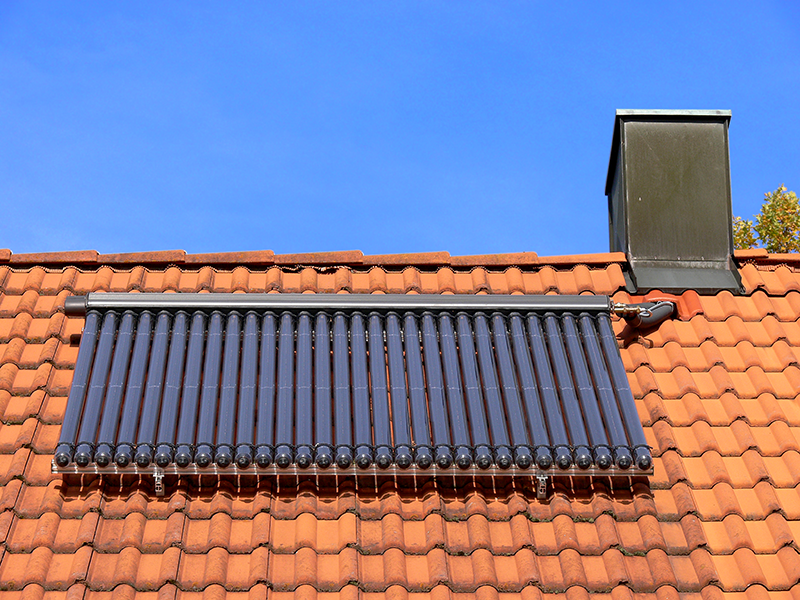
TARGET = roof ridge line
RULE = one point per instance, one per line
(340, 258)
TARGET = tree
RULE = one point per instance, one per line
(777, 226)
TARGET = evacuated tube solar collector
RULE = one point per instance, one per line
(240, 382)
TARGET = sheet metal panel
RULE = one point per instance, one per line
(220, 391)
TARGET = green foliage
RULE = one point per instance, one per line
(777, 226)
(743, 234)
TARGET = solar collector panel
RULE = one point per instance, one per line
(455, 398)
(509, 386)
(77, 395)
(491, 391)
(134, 390)
(586, 396)
(284, 438)
(248, 377)
(389, 388)
(172, 391)
(630, 417)
(566, 390)
(551, 405)
(362, 426)
(106, 438)
(209, 396)
(151, 405)
(304, 415)
(472, 392)
(187, 422)
(95, 392)
(323, 417)
(379, 392)
(540, 439)
(420, 424)
(267, 386)
(399, 391)
(605, 393)
(435, 387)
(341, 392)
(223, 454)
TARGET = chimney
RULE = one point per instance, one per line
(669, 199)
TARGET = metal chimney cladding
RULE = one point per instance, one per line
(239, 383)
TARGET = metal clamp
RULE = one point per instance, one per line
(541, 487)
(158, 477)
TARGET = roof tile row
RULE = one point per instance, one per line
(331, 536)
(40, 286)
(331, 572)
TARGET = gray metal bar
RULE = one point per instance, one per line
(303, 410)
(187, 423)
(323, 421)
(246, 419)
(223, 453)
(96, 392)
(172, 391)
(340, 302)
(379, 393)
(104, 452)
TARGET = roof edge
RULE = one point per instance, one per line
(262, 258)
(761, 256)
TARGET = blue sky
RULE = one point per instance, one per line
(474, 127)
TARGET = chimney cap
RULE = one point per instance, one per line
(655, 114)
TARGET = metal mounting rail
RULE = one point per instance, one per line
(78, 305)
(158, 473)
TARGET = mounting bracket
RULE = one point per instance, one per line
(158, 477)
(541, 487)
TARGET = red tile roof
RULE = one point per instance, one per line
(717, 389)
